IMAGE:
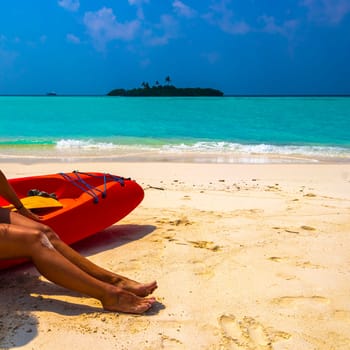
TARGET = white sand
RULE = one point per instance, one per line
(246, 257)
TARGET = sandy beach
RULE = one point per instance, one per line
(246, 257)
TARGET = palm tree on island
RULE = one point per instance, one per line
(165, 90)
(167, 80)
(145, 85)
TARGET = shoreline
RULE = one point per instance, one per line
(247, 256)
(225, 95)
(148, 149)
(144, 156)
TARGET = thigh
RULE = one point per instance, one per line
(16, 241)
(10, 217)
(4, 215)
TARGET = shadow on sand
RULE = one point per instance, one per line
(21, 289)
(112, 237)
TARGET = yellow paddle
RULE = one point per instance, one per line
(37, 202)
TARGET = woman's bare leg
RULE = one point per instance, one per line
(18, 241)
(83, 263)
(98, 272)
(86, 265)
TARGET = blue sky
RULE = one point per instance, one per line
(237, 46)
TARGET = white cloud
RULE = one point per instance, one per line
(43, 39)
(103, 27)
(211, 57)
(140, 14)
(167, 29)
(145, 62)
(223, 17)
(138, 2)
(183, 10)
(287, 28)
(70, 5)
(327, 11)
(72, 38)
(239, 27)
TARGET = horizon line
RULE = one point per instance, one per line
(225, 95)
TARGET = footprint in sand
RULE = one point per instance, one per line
(286, 276)
(248, 333)
(183, 221)
(258, 336)
(205, 245)
(287, 300)
(276, 258)
(170, 343)
(310, 195)
(206, 271)
(307, 228)
(308, 265)
(231, 327)
(303, 264)
(343, 315)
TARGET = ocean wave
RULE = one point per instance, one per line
(173, 150)
(204, 147)
(91, 145)
(259, 149)
(84, 144)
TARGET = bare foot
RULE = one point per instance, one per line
(124, 301)
(139, 289)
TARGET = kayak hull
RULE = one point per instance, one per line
(90, 202)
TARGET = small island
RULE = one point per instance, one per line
(164, 91)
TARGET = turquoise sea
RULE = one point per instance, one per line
(208, 129)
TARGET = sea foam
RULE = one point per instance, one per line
(67, 144)
(227, 147)
(228, 150)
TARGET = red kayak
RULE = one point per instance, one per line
(79, 204)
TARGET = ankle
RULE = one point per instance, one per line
(115, 280)
(109, 294)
